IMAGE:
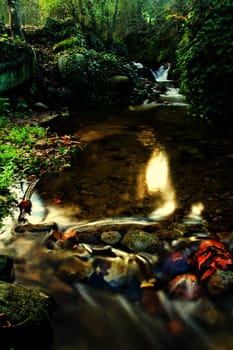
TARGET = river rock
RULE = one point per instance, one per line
(220, 283)
(111, 237)
(74, 269)
(138, 241)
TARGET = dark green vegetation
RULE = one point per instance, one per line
(150, 32)
(205, 60)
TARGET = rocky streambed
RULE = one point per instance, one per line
(134, 241)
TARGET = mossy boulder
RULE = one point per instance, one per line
(17, 65)
(66, 44)
(72, 69)
(24, 306)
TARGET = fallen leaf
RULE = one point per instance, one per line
(57, 200)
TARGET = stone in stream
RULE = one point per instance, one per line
(74, 269)
(111, 237)
(138, 241)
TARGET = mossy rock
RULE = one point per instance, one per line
(66, 44)
(70, 64)
(140, 241)
(119, 80)
(22, 306)
(17, 65)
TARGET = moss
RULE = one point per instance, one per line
(66, 44)
(24, 305)
(138, 241)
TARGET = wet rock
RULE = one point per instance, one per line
(120, 83)
(6, 268)
(74, 269)
(220, 283)
(24, 306)
(186, 287)
(111, 237)
(88, 237)
(119, 272)
(40, 106)
(138, 240)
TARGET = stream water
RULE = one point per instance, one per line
(147, 167)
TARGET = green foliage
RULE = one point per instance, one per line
(4, 106)
(28, 150)
(17, 147)
(205, 57)
(94, 42)
(119, 49)
(152, 38)
(147, 31)
(91, 72)
(2, 121)
(55, 31)
(67, 44)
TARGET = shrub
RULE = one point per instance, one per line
(205, 59)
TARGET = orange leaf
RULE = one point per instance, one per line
(69, 234)
(57, 200)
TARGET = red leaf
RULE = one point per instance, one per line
(57, 200)
(208, 273)
(201, 259)
(223, 262)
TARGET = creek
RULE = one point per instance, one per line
(147, 167)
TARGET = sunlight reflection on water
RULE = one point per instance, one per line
(158, 180)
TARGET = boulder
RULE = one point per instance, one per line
(24, 306)
(17, 65)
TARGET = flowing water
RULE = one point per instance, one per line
(151, 167)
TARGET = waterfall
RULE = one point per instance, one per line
(162, 73)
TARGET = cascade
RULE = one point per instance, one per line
(172, 94)
(162, 73)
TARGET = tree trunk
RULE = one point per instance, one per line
(112, 26)
(14, 19)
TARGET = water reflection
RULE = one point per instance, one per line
(196, 210)
(157, 172)
(158, 181)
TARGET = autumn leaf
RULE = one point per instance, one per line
(57, 200)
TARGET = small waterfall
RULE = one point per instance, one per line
(162, 73)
